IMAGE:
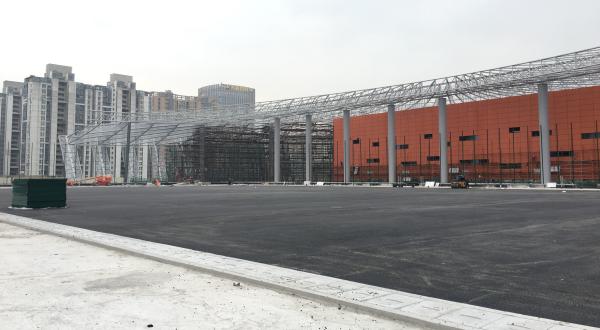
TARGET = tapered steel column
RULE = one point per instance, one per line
(391, 135)
(443, 140)
(544, 133)
(308, 148)
(346, 146)
(277, 150)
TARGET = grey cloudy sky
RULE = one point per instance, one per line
(287, 48)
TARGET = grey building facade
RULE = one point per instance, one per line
(225, 95)
(10, 127)
(3, 112)
(48, 112)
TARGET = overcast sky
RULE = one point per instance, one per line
(286, 48)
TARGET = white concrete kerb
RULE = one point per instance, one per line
(410, 308)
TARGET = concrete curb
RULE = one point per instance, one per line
(405, 307)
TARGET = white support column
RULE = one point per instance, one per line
(346, 146)
(145, 158)
(443, 140)
(308, 148)
(391, 136)
(544, 134)
(116, 164)
(277, 150)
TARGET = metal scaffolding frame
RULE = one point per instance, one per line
(568, 71)
(221, 154)
(573, 70)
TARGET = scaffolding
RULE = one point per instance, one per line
(244, 154)
(293, 152)
(220, 155)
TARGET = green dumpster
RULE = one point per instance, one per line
(39, 193)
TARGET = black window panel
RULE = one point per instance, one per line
(562, 153)
(433, 158)
(409, 163)
(593, 135)
(467, 138)
(510, 166)
(402, 146)
(80, 94)
(474, 162)
(356, 141)
(537, 133)
(428, 136)
(79, 114)
(514, 129)
(376, 144)
(373, 160)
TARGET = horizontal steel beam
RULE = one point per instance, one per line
(568, 71)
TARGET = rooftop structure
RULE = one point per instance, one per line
(573, 70)
(224, 95)
(568, 71)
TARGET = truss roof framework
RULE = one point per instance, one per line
(568, 71)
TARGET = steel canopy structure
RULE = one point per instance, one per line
(123, 133)
(572, 70)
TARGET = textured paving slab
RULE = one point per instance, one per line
(420, 310)
(50, 282)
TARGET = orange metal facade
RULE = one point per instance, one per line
(489, 141)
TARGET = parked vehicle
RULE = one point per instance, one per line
(459, 183)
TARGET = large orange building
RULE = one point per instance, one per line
(488, 141)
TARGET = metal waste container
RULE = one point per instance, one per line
(39, 193)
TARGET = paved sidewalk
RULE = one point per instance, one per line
(49, 282)
(394, 304)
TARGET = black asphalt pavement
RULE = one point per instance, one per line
(530, 252)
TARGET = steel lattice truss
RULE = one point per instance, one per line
(573, 70)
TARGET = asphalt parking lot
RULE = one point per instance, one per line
(531, 252)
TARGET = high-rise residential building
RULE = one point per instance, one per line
(140, 166)
(91, 102)
(3, 130)
(34, 114)
(10, 127)
(124, 97)
(123, 93)
(168, 101)
(63, 112)
(35, 126)
(220, 95)
(48, 112)
(45, 108)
